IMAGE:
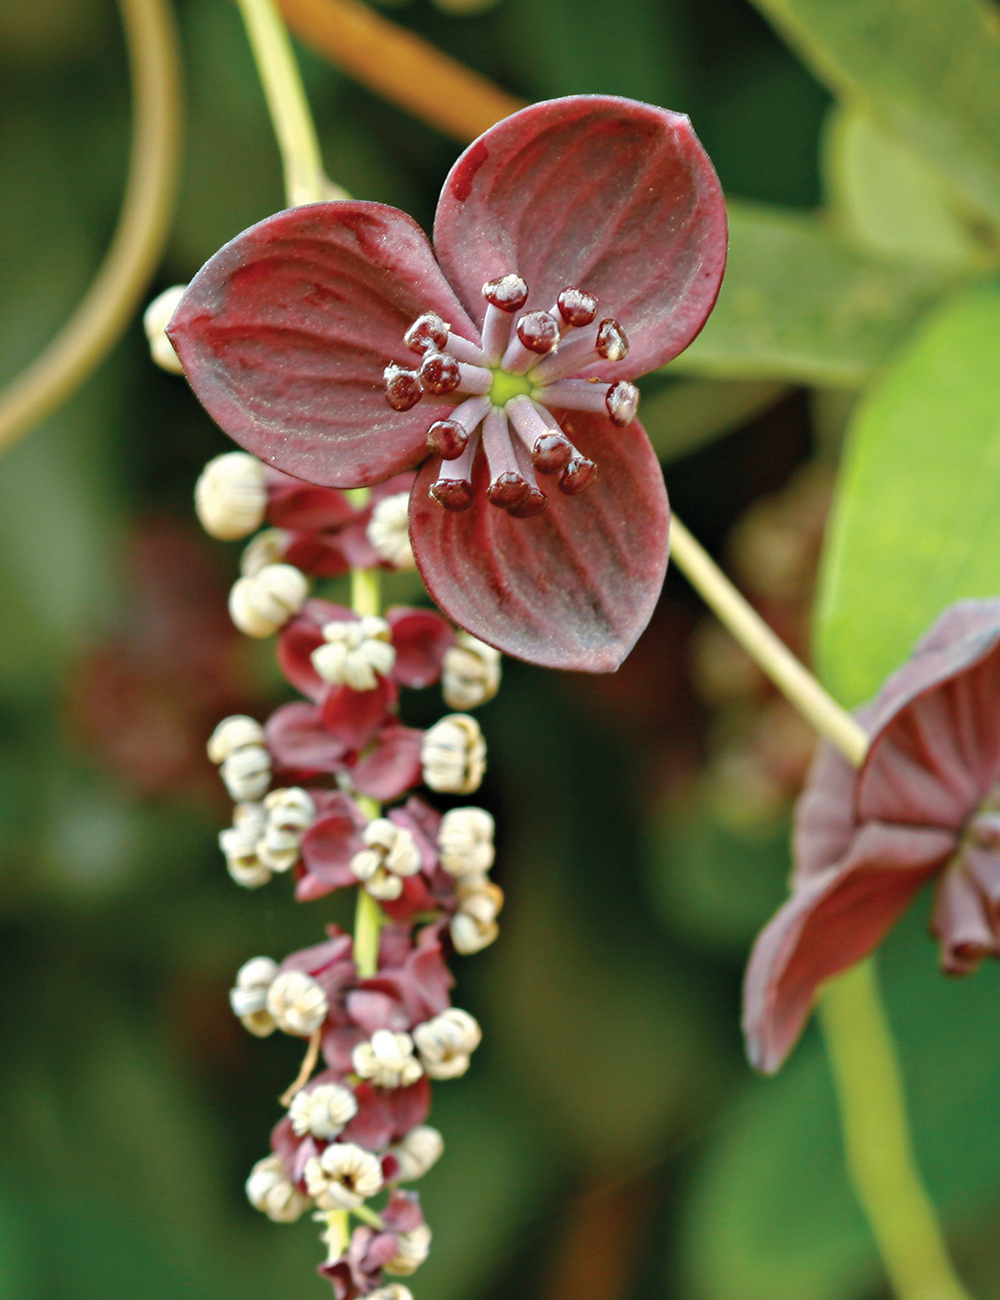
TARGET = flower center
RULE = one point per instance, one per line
(495, 394)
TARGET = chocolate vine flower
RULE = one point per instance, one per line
(578, 245)
(925, 804)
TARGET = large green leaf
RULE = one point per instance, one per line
(771, 1216)
(798, 303)
(930, 69)
(917, 520)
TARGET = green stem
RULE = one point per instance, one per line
(879, 1149)
(368, 921)
(305, 180)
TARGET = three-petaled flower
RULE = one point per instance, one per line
(578, 245)
(926, 803)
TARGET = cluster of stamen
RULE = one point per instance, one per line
(502, 388)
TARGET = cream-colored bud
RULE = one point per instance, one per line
(454, 755)
(387, 1060)
(391, 855)
(297, 1003)
(230, 497)
(394, 1291)
(260, 605)
(474, 925)
(269, 1189)
(233, 733)
(470, 672)
(471, 936)
(247, 772)
(239, 844)
(323, 1111)
(289, 813)
(354, 652)
(465, 841)
(419, 1151)
(446, 1042)
(155, 320)
(389, 531)
(249, 998)
(412, 1248)
(266, 548)
(343, 1177)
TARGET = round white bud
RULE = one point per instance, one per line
(389, 531)
(474, 925)
(392, 854)
(446, 1042)
(343, 1177)
(269, 1189)
(297, 1003)
(230, 497)
(249, 998)
(354, 652)
(453, 755)
(419, 1151)
(289, 815)
(239, 844)
(387, 1059)
(470, 672)
(155, 320)
(412, 1248)
(247, 772)
(266, 548)
(323, 1111)
(465, 841)
(233, 733)
(262, 604)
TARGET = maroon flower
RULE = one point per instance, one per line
(578, 244)
(926, 803)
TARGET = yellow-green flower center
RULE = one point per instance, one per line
(506, 386)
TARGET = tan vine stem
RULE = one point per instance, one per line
(138, 242)
(305, 1070)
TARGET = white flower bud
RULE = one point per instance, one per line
(266, 548)
(239, 844)
(322, 1111)
(412, 1248)
(249, 998)
(454, 755)
(297, 1003)
(260, 605)
(394, 1291)
(465, 841)
(446, 1042)
(289, 813)
(354, 652)
(470, 672)
(392, 854)
(247, 772)
(343, 1177)
(155, 320)
(474, 925)
(387, 1060)
(419, 1151)
(269, 1189)
(230, 497)
(233, 733)
(389, 531)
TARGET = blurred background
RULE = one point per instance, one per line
(610, 1142)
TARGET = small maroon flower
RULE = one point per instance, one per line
(579, 244)
(926, 803)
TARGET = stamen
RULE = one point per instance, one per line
(427, 332)
(453, 489)
(508, 292)
(577, 476)
(402, 387)
(439, 373)
(576, 307)
(496, 333)
(465, 351)
(447, 439)
(538, 331)
(475, 379)
(508, 486)
(536, 501)
(550, 449)
(622, 402)
(612, 343)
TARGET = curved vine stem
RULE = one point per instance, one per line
(138, 242)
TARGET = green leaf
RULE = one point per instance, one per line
(798, 303)
(771, 1215)
(927, 69)
(917, 520)
(889, 198)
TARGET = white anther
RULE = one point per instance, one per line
(387, 1060)
(419, 1151)
(263, 603)
(297, 1003)
(323, 1111)
(289, 814)
(230, 497)
(474, 926)
(233, 733)
(389, 531)
(249, 998)
(343, 1177)
(354, 652)
(239, 844)
(266, 548)
(247, 772)
(394, 1291)
(155, 320)
(446, 1042)
(412, 1248)
(465, 841)
(392, 853)
(453, 755)
(270, 1190)
(470, 673)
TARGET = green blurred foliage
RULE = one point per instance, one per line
(134, 1103)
